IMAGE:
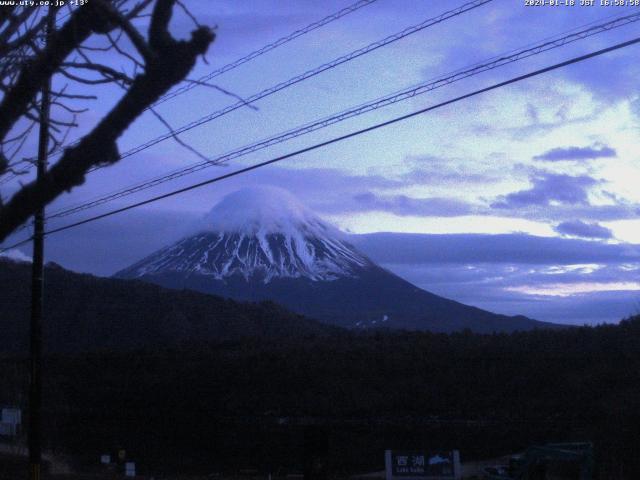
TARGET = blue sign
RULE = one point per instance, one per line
(422, 464)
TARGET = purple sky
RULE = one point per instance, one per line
(548, 165)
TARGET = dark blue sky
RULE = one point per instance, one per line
(549, 164)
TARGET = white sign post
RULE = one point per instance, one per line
(130, 469)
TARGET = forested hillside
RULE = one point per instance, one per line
(84, 313)
(208, 406)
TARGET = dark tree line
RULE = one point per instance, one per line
(246, 403)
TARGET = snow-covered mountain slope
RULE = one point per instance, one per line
(259, 234)
(262, 244)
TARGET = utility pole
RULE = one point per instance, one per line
(37, 283)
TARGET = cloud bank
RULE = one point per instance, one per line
(578, 228)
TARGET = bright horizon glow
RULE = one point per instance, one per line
(567, 290)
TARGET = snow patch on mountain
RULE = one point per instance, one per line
(259, 233)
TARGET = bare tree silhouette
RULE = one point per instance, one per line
(81, 50)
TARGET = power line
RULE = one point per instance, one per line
(341, 138)
(402, 95)
(308, 74)
(299, 78)
(240, 61)
(267, 48)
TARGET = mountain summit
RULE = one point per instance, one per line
(263, 244)
(259, 234)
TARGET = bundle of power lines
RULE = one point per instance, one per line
(559, 41)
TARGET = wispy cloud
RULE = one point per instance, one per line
(550, 187)
(433, 170)
(407, 206)
(577, 153)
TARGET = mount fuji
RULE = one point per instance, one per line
(261, 243)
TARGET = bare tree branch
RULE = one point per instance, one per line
(114, 44)
(15, 22)
(27, 37)
(177, 138)
(188, 13)
(159, 36)
(68, 108)
(108, 72)
(73, 96)
(86, 81)
(136, 38)
(169, 62)
(224, 91)
(81, 24)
